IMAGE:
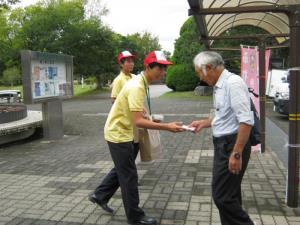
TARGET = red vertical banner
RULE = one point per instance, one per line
(250, 73)
(267, 58)
(250, 70)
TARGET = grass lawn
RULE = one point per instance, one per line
(184, 94)
(87, 90)
(78, 90)
(11, 88)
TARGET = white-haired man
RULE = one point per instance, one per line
(231, 127)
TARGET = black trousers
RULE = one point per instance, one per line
(226, 187)
(123, 175)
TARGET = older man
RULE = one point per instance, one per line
(231, 126)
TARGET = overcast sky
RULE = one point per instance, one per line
(162, 18)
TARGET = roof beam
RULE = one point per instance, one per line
(203, 31)
(253, 36)
(245, 9)
(200, 22)
(239, 49)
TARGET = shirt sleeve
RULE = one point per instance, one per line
(116, 88)
(136, 100)
(240, 101)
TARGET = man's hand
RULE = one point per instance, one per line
(234, 164)
(175, 127)
(199, 125)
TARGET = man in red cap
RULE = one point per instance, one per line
(126, 62)
(127, 112)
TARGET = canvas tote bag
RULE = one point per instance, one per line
(149, 140)
(150, 146)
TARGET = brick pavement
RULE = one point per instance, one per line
(47, 182)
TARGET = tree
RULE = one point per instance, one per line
(69, 27)
(6, 45)
(182, 76)
(233, 58)
(11, 76)
(3, 44)
(95, 9)
(6, 3)
(62, 27)
(140, 45)
(188, 44)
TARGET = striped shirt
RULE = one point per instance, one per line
(231, 103)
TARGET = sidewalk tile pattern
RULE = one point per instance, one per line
(47, 182)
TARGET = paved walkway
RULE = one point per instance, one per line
(44, 182)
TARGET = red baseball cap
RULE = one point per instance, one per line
(158, 57)
(125, 54)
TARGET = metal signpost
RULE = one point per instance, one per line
(294, 108)
(48, 79)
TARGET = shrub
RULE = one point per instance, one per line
(90, 80)
(181, 77)
(12, 76)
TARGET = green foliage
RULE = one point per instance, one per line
(90, 80)
(20, 88)
(58, 26)
(83, 90)
(233, 58)
(181, 77)
(187, 45)
(69, 27)
(140, 45)
(6, 48)
(11, 76)
(61, 27)
(6, 3)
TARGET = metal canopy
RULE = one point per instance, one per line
(278, 17)
(275, 23)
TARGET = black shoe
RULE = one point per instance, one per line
(145, 220)
(103, 205)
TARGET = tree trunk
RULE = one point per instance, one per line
(98, 84)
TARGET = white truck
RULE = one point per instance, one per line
(282, 96)
(276, 78)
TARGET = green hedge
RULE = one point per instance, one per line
(181, 77)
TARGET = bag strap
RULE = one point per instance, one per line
(251, 90)
(148, 94)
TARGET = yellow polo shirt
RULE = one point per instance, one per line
(119, 82)
(119, 124)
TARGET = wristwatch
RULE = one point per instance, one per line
(236, 155)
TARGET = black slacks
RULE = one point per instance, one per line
(123, 175)
(226, 187)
